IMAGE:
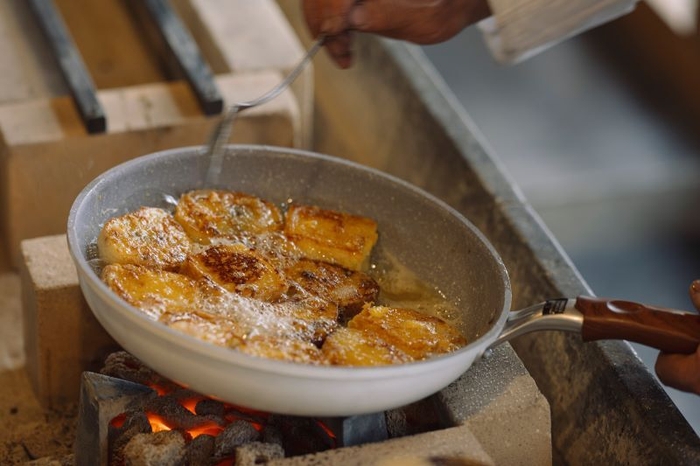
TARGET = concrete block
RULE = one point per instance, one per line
(62, 338)
(46, 158)
(453, 446)
(11, 347)
(506, 411)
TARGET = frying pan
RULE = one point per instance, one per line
(427, 236)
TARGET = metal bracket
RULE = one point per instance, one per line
(183, 50)
(71, 64)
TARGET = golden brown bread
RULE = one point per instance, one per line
(414, 333)
(209, 214)
(353, 347)
(348, 289)
(227, 268)
(218, 330)
(148, 236)
(331, 236)
(153, 290)
(237, 269)
(281, 347)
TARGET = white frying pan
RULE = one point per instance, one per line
(427, 236)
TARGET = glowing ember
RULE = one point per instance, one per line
(190, 404)
(212, 430)
(157, 422)
(118, 421)
(327, 430)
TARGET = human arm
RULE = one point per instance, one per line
(418, 21)
(513, 29)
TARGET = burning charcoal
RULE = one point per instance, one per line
(125, 366)
(255, 453)
(236, 434)
(165, 448)
(210, 407)
(233, 413)
(135, 423)
(170, 410)
(173, 414)
(199, 451)
(181, 393)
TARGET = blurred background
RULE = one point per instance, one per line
(602, 135)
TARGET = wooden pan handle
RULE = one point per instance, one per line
(668, 330)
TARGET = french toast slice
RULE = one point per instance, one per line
(237, 269)
(353, 347)
(209, 214)
(148, 236)
(348, 289)
(281, 347)
(414, 333)
(154, 291)
(310, 318)
(331, 236)
(213, 329)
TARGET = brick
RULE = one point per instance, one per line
(62, 338)
(505, 410)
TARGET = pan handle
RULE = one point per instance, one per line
(668, 330)
(555, 314)
(665, 329)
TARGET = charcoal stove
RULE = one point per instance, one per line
(129, 412)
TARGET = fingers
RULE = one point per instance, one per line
(680, 371)
(331, 18)
(339, 48)
(695, 294)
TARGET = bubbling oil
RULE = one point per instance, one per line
(400, 286)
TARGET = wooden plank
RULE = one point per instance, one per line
(112, 45)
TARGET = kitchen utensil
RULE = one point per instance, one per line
(222, 131)
(423, 233)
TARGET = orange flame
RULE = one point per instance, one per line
(157, 423)
(189, 404)
(210, 429)
(159, 390)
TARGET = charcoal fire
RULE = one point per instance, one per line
(164, 423)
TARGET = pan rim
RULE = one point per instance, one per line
(233, 357)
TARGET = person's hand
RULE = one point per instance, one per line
(682, 371)
(419, 21)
